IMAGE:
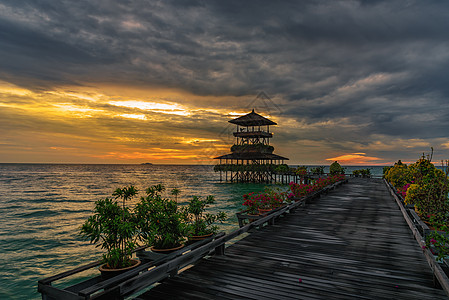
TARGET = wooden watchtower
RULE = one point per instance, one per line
(252, 158)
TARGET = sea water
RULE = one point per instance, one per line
(42, 207)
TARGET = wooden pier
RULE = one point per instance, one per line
(352, 243)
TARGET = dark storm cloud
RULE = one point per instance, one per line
(381, 66)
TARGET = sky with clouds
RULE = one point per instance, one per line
(362, 82)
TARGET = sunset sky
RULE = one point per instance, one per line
(361, 82)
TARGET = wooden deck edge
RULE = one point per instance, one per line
(436, 268)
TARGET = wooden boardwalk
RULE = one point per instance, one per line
(352, 243)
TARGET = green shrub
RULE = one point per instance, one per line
(113, 226)
(398, 175)
(161, 223)
(335, 168)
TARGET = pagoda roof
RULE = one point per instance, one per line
(252, 119)
(252, 155)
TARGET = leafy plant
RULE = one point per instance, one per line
(429, 190)
(318, 170)
(175, 192)
(336, 168)
(385, 170)
(362, 172)
(398, 175)
(113, 227)
(424, 186)
(251, 204)
(160, 222)
(302, 171)
(438, 244)
(282, 168)
(200, 222)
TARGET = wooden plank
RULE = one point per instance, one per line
(350, 243)
(49, 292)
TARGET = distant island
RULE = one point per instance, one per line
(147, 164)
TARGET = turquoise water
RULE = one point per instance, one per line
(42, 206)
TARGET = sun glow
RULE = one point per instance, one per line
(70, 107)
(198, 140)
(164, 108)
(11, 89)
(134, 116)
(354, 158)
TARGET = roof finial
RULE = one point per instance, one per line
(253, 110)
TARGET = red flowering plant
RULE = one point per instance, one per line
(269, 199)
(403, 190)
(251, 204)
(299, 190)
(438, 244)
(276, 197)
(302, 190)
(301, 171)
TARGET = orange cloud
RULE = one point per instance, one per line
(354, 158)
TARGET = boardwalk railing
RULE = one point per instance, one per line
(420, 231)
(156, 268)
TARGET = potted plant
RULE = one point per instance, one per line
(263, 202)
(160, 222)
(251, 203)
(200, 223)
(113, 228)
(301, 171)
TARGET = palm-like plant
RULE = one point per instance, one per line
(200, 222)
(161, 223)
(175, 192)
(113, 226)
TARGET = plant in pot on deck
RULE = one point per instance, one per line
(160, 222)
(200, 223)
(251, 204)
(113, 227)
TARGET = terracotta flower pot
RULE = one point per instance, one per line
(166, 251)
(252, 219)
(107, 273)
(263, 211)
(199, 237)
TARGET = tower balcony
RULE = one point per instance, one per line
(253, 134)
(252, 148)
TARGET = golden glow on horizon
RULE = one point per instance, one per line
(354, 158)
(166, 155)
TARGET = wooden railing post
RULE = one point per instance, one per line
(220, 250)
